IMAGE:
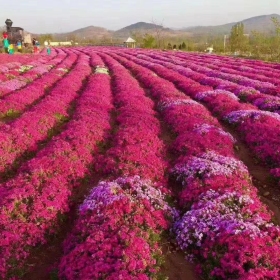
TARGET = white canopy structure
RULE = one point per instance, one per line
(130, 43)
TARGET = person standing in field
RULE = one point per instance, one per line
(11, 49)
(47, 46)
(34, 45)
(6, 42)
(49, 50)
(37, 46)
(19, 46)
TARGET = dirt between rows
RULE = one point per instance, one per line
(177, 268)
(268, 189)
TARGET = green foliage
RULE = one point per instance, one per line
(148, 41)
(61, 118)
(277, 25)
(9, 115)
(238, 40)
(45, 37)
(184, 46)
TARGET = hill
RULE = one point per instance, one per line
(140, 27)
(260, 23)
(91, 31)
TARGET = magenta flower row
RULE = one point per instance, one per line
(261, 133)
(226, 217)
(24, 134)
(260, 82)
(127, 213)
(8, 66)
(17, 101)
(37, 68)
(246, 92)
(251, 69)
(117, 231)
(32, 202)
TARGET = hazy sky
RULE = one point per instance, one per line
(41, 16)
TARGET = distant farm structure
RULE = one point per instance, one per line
(56, 44)
(130, 43)
(16, 34)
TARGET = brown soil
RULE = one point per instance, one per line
(269, 191)
(176, 267)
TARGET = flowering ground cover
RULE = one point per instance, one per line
(259, 129)
(151, 128)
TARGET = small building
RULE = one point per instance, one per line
(130, 43)
(209, 50)
(54, 44)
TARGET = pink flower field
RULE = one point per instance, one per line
(132, 164)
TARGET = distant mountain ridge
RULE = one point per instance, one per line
(140, 27)
(91, 31)
(261, 23)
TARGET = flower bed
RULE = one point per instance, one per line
(23, 134)
(127, 213)
(221, 209)
(35, 199)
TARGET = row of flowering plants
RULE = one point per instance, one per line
(269, 75)
(17, 101)
(28, 73)
(10, 70)
(6, 60)
(262, 71)
(10, 66)
(34, 200)
(24, 134)
(255, 90)
(118, 230)
(259, 129)
(223, 226)
(206, 76)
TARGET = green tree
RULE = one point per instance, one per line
(184, 46)
(275, 40)
(45, 37)
(238, 40)
(138, 37)
(148, 41)
(277, 25)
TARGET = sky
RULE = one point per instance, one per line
(57, 16)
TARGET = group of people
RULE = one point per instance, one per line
(36, 46)
(9, 48)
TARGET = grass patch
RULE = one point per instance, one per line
(10, 115)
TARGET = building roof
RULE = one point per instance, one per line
(130, 40)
